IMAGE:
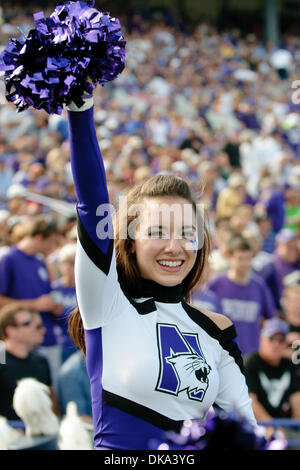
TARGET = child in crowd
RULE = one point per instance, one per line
(245, 298)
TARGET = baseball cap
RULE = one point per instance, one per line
(235, 180)
(285, 235)
(273, 326)
(16, 190)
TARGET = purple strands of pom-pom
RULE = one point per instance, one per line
(220, 431)
(63, 58)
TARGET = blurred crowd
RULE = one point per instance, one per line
(216, 108)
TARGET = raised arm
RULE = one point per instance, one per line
(88, 170)
(97, 288)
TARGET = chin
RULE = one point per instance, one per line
(169, 282)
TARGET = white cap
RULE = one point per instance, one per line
(16, 190)
(68, 251)
(180, 166)
(4, 214)
(235, 180)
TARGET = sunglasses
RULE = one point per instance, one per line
(28, 323)
(281, 340)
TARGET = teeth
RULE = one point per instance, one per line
(171, 264)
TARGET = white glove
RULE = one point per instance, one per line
(88, 103)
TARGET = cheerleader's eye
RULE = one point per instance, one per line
(156, 234)
(189, 235)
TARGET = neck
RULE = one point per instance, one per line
(273, 361)
(17, 349)
(68, 281)
(238, 278)
(169, 294)
(293, 319)
(27, 245)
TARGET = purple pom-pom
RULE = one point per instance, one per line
(220, 431)
(63, 58)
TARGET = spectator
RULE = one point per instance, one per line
(264, 225)
(233, 196)
(262, 264)
(291, 306)
(232, 148)
(218, 257)
(273, 383)
(21, 330)
(292, 207)
(74, 385)
(17, 203)
(272, 203)
(24, 279)
(244, 297)
(286, 256)
(63, 291)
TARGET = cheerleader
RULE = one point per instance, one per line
(153, 360)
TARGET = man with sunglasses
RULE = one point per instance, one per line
(273, 382)
(21, 330)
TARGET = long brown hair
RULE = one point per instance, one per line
(166, 185)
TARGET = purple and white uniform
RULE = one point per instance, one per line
(152, 361)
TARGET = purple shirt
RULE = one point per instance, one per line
(282, 269)
(245, 305)
(25, 276)
(205, 298)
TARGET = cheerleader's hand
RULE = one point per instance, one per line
(88, 103)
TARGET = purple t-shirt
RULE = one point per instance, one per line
(282, 269)
(245, 305)
(205, 298)
(67, 297)
(24, 276)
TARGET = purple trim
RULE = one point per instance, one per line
(123, 431)
(94, 365)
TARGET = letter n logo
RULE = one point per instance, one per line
(182, 364)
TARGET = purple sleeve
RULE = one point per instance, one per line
(268, 305)
(89, 175)
(5, 275)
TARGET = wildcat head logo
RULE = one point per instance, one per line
(192, 371)
(182, 363)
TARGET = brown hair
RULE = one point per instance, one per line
(238, 243)
(41, 225)
(8, 317)
(158, 186)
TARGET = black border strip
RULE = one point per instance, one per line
(225, 337)
(101, 260)
(140, 411)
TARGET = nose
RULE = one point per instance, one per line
(173, 246)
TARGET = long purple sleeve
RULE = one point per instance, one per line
(88, 173)
(97, 288)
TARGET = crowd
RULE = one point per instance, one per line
(215, 108)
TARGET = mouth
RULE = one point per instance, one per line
(170, 265)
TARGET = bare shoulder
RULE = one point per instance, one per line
(220, 320)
